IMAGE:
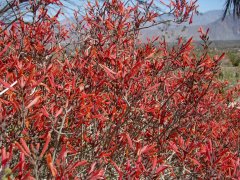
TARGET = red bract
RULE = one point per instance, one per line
(110, 106)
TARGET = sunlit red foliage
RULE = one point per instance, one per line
(113, 107)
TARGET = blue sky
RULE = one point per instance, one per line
(207, 5)
(204, 5)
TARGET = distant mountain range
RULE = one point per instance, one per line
(226, 30)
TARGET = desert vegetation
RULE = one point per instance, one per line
(234, 58)
(91, 101)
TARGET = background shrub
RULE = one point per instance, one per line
(234, 58)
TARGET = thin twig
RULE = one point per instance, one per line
(5, 90)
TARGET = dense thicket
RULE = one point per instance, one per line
(112, 107)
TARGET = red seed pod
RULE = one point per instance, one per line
(21, 149)
(45, 147)
(24, 144)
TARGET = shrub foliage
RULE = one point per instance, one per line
(112, 107)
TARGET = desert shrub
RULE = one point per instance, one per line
(114, 107)
(234, 58)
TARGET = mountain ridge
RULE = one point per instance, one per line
(228, 29)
